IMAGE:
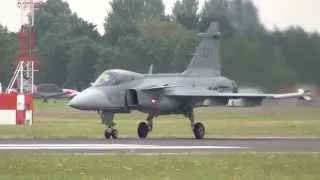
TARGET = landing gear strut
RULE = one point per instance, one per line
(107, 119)
(145, 127)
(198, 129)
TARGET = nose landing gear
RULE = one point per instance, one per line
(107, 119)
(111, 133)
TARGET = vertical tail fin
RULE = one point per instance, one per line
(150, 71)
(206, 59)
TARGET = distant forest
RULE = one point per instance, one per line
(138, 33)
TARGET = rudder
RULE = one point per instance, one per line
(206, 59)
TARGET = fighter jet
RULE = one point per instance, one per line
(52, 91)
(121, 91)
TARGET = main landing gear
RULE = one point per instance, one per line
(107, 119)
(198, 129)
(145, 127)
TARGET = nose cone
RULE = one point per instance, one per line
(90, 99)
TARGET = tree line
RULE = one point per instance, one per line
(138, 33)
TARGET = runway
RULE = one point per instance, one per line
(162, 145)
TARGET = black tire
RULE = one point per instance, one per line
(143, 130)
(107, 134)
(199, 131)
(115, 134)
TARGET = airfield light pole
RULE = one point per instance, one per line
(26, 61)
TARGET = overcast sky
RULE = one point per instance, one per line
(280, 13)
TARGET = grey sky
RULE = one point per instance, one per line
(280, 13)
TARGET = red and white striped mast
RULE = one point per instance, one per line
(26, 61)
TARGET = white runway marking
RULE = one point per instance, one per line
(107, 147)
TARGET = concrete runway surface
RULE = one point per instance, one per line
(151, 146)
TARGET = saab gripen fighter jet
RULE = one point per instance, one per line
(121, 91)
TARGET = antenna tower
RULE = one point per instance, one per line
(27, 61)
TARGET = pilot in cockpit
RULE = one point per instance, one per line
(105, 79)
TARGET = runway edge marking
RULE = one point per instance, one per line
(108, 147)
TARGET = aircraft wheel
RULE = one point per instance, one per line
(107, 134)
(111, 134)
(115, 134)
(143, 130)
(199, 131)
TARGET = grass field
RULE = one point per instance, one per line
(59, 121)
(222, 166)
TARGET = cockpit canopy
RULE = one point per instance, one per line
(115, 77)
